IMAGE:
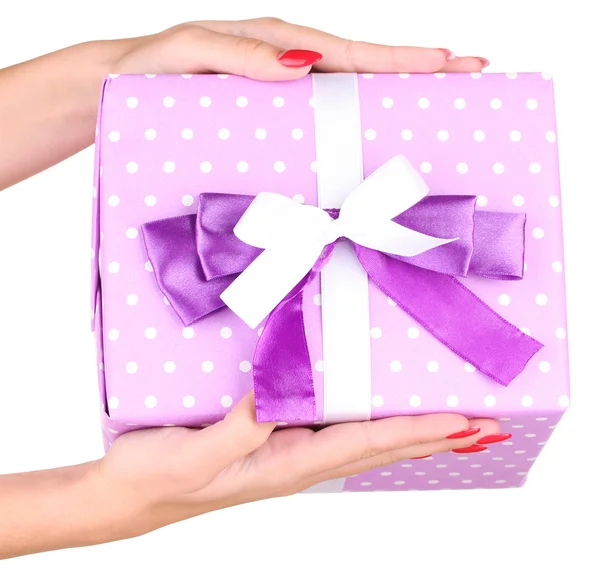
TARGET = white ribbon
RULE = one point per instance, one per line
(294, 235)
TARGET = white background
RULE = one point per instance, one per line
(48, 398)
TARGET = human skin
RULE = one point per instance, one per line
(156, 477)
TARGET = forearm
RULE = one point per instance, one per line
(48, 107)
(53, 509)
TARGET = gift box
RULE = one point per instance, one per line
(404, 256)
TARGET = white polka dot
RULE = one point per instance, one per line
(544, 366)
(169, 366)
(391, 302)
(150, 332)
(469, 368)
(313, 166)
(150, 200)
(524, 267)
(454, 474)
(504, 299)
(205, 167)
(423, 103)
(476, 75)
(561, 333)
(113, 75)
(187, 200)
(370, 134)
(475, 465)
(526, 330)
(187, 332)
(207, 366)
(467, 481)
(414, 401)
(547, 76)
(223, 76)
(538, 233)
(132, 299)
(533, 436)
(500, 481)
(131, 102)
(541, 419)
(488, 473)
(425, 167)
(113, 402)
(365, 483)
(462, 168)
(278, 102)
(367, 75)
(113, 267)
(479, 136)
(150, 75)
(515, 136)
(319, 366)
(150, 401)
(241, 102)
(317, 299)
(553, 200)
(114, 136)
(399, 482)
(131, 367)
(550, 136)
(377, 400)
(279, 166)
(131, 233)
(512, 75)
(260, 133)
(535, 168)
(385, 473)
(297, 134)
(186, 76)
(526, 400)
(420, 473)
(412, 333)
(460, 103)
(482, 200)
(225, 332)
(518, 201)
(498, 168)
(443, 135)
(495, 104)
(311, 102)
(439, 75)
(187, 133)
(489, 400)
(452, 401)
(166, 301)
(404, 75)
(150, 134)
(189, 401)
(406, 134)
(113, 334)
(387, 102)
(376, 332)
(223, 133)
(132, 167)
(259, 331)
(226, 401)
(557, 266)
(242, 167)
(168, 102)
(433, 482)
(205, 101)
(395, 366)
(245, 366)
(433, 366)
(531, 104)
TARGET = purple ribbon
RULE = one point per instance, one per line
(196, 257)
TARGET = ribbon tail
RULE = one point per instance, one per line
(283, 381)
(454, 315)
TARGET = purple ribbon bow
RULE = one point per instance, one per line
(196, 257)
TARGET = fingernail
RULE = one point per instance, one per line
(484, 62)
(299, 58)
(494, 438)
(463, 434)
(470, 450)
(421, 457)
(449, 54)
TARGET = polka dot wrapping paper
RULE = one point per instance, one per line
(163, 140)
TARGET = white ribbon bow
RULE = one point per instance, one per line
(294, 235)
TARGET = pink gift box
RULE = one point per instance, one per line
(163, 140)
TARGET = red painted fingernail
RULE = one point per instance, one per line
(470, 450)
(463, 434)
(449, 54)
(484, 62)
(299, 58)
(421, 457)
(494, 438)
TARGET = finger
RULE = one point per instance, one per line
(199, 50)
(338, 54)
(336, 446)
(213, 449)
(466, 65)
(486, 427)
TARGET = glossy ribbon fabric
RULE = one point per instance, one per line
(196, 257)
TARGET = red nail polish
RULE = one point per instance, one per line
(299, 58)
(484, 62)
(470, 450)
(463, 434)
(449, 54)
(494, 438)
(421, 457)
